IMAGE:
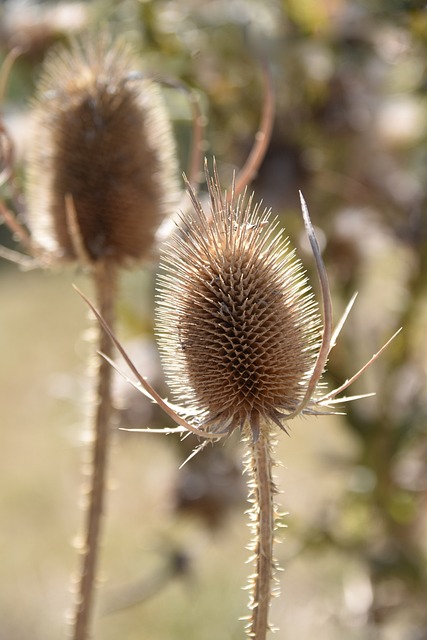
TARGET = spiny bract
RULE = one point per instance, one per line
(102, 136)
(238, 326)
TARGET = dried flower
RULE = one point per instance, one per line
(101, 179)
(239, 334)
(102, 137)
(238, 326)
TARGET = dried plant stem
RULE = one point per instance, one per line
(104, 279)
(261, 494)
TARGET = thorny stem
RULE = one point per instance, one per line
(104, 278)
(261, 493)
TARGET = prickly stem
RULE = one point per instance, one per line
(104, 278)
(262, 514)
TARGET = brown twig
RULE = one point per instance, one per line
(262, 137)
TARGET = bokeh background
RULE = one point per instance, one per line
(350, 132)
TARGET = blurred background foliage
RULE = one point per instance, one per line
(350, 132)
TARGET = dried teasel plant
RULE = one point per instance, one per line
(101, 178)
(101, 186)
(244, 348)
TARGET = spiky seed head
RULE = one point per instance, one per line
(101, 135)
(238, 326)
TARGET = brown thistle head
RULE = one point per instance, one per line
(239, 329)
(102, 165)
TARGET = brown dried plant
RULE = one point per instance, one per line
(243, 348)
(101, 179)
(101, 182)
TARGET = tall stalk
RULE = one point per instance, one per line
(262, 514)
(104, 277)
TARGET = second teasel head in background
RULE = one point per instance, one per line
(102, 171)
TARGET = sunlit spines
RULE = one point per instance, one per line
(238, 326)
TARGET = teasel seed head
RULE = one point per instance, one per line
(238, 325)
(102, 139)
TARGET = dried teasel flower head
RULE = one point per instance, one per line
(239, 328)
(243, 347)
(102, 172)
